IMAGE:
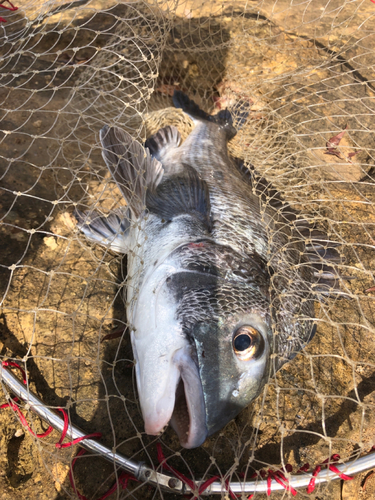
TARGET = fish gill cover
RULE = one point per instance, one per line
(298, 79)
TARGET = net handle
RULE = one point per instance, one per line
(167, 482)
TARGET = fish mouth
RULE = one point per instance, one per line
(182, 406)
(189, 416)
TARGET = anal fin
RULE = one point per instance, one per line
(165, 139)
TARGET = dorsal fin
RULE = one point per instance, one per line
(166, 138)
(131, 166)
(264, 189)
(321, 253)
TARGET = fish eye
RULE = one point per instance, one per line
(248, 343)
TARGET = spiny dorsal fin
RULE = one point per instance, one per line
(111, 231)
(166, 138)
(180, 194)
(131, 166)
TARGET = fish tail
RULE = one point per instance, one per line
(224, 118)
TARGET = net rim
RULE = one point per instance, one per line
(161, 480)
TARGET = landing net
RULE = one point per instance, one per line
(306, 71)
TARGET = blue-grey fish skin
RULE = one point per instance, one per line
(219, 290)
(242, 223)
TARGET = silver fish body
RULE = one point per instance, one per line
(220, 290)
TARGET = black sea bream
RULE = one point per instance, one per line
(220, 291)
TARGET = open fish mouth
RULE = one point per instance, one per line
(189, 415)
(176, 399)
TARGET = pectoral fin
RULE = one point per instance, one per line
(180, 194)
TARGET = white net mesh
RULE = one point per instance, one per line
(67, 68)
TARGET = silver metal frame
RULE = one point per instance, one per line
(167, 482)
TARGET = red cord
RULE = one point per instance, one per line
(7, 405)
(280, 478)
(124, 478)
(12, 7)
(60, 444)
(5, 364)
(163, 462)
(304, 468)
(231, 494)
(318, 468)
(24, 421)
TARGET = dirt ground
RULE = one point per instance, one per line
(307, 78)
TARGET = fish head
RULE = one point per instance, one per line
(202, 343)
(231, 332)
(234, 361)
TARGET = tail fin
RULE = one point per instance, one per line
(224, 118)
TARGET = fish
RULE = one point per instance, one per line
(222, 274)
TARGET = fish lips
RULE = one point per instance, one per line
(189, 414)
(178, 400)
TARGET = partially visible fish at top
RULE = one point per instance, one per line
(221, 285)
